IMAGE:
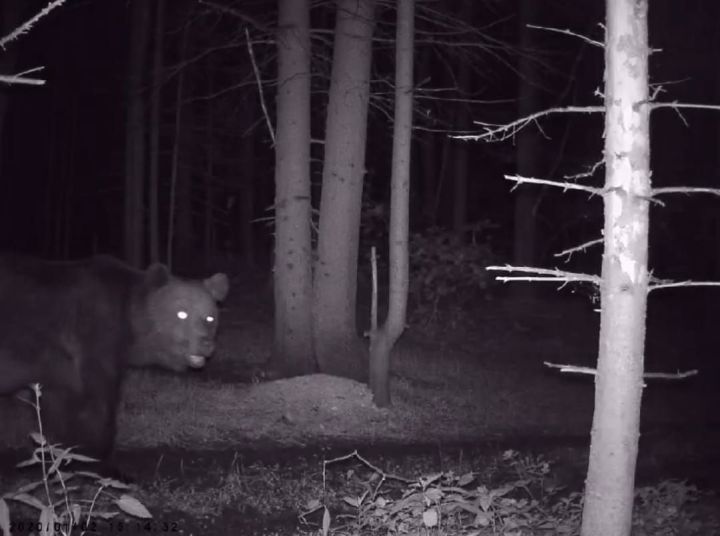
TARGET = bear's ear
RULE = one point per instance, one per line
(157, 275)
(218, 286)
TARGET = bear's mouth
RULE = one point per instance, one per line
(196, 361)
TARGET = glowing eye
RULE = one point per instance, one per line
(209, 319)
(182, 315)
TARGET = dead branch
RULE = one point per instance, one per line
(683, 105)
(496, 132)
(582, 247)
(258, 79)
(569, 32)
(558, 184)
(543, 274)
(27, 26)
(675, 284)
(575, 369)
(21, 78)
(685, 190)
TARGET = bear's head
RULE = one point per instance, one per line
(176, 324)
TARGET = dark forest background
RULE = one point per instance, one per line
(63, 144)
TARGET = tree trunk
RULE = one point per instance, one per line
(293, 345)
(383, 340)
(153, 208)
(338, 349)
(135, 134)
(528, 151)
(619, 379)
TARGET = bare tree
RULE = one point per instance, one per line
(382, 340)
(619, 380)
(293, 352)
(337, 348)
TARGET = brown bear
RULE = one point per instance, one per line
(75, 327)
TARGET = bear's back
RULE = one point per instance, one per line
(66, 302)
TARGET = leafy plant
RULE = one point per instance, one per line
(663, 509)
(66, 500)
(458, 504)
(445, 270)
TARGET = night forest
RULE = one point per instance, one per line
(63, 144)
(444, 237)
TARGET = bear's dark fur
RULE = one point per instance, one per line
(75, 327)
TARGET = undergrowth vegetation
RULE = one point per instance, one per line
(511, 494)
(447, 267)
(66, 501)
(523, 501)
(447, 270)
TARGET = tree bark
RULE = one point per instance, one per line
(293, 345)
(136, 127)
(383, 340)
(619, 380)
(337, 347)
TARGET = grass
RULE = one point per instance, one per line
(238, 455)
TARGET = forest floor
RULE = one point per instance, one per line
(210, 455)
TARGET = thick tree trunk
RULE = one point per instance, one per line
(619, 379)
(293, 349)
(337, 347)
(383, 340)
(136, 127)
